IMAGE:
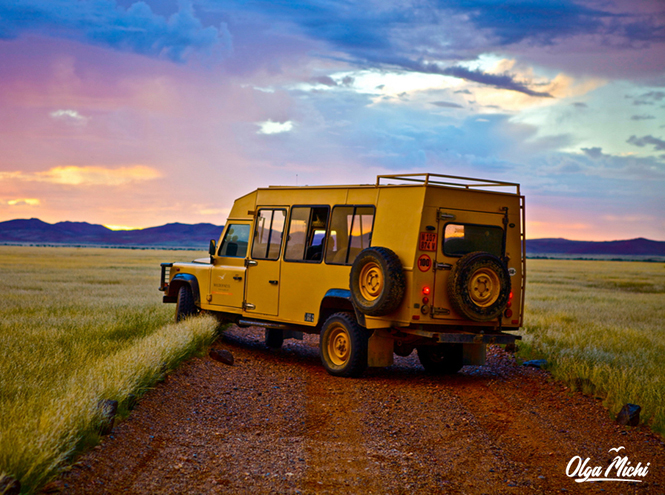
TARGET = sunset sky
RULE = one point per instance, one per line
(135, 114)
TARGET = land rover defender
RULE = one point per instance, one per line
(428, 262)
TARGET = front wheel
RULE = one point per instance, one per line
(442, 359)
(343, 346)
(185, 306)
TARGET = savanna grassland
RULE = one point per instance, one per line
(601, 326)
(82, 325)
(79, 326)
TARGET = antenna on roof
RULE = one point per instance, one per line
(296, 179)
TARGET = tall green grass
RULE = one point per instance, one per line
(78, 326)
(601, 325)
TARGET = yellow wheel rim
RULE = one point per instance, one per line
(484, 287)
(339, 345)
(371, 281)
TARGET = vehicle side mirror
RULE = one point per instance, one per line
(212, 249)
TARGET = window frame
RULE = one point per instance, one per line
(255, 233)
(309, 221)
(353, 216)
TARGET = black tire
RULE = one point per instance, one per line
(479, 286)
(185, 306)
(442, 359)
(343, 346)
(377, 281)
(274, 338)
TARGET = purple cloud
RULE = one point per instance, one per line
(658, 144)
(137, 29)
(446, 104)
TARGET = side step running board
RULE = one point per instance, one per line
(264, 324)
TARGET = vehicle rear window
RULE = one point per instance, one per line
(460, 239)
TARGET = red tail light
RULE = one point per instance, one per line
(426, 290)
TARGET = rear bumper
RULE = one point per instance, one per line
(464, 337)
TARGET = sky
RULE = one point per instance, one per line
(136, 114)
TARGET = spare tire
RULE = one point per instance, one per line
(377, 281)
(479, 286)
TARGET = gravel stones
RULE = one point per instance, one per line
(629, 415)
(221, 355)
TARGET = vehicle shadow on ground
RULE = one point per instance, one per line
(406, 369)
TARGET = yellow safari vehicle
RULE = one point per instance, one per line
(421, 261)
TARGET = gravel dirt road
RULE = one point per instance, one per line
(276, 422)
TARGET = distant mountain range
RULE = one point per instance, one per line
(197, 236)
(172, 235)
(630, 247)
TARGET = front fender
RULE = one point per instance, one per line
(185, 279)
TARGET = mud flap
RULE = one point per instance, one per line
(380, 349)
(474, 354)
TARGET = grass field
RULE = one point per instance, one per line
(601, 326)
(78, 326)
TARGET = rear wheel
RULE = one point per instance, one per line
(274, 338)
(442, 359)
(343, 346)
(185, 306)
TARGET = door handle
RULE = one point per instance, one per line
(273, 282)
(236, 277)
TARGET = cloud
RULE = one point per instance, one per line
(650, 98)
(446, 104)
(658, 144)
(513, 22)
(499, 81)
(502, 81)
(87, 175)
(579, 104)
(24, 202)
(594, 152)
(325, 80)
(100, 22)
(69, 116)
(270, 127)
(642, 117)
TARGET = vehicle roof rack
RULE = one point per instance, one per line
(448, 180)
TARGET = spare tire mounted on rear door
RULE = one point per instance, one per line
(377, 281)
(479, 286)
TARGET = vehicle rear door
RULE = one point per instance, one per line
(461, 232)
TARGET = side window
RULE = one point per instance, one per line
(268, 234)
(307, 233)
(350, 233)
(235, 241)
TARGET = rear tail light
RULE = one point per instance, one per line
(426, 291)
(508, 313)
